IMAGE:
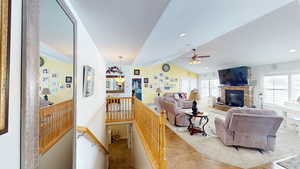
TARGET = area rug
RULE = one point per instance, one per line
(288, 144)
(291, 163)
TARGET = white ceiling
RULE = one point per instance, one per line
(146, 31)
(266, 40)
(56, 29)
(119, 27)
(203, 21)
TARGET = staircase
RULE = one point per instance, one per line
(145, 126)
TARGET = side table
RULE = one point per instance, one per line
(203, 117)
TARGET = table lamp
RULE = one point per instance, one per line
(158, 91)
(45, 92)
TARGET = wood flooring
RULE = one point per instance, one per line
(180, 155)
(120, 155)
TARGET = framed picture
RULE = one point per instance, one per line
(68, 79)
(137, 72)
(146, 80)
(5, 12)
(88, 81)
(68, 86)
(45, 71)
(54, 75)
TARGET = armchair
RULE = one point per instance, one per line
(248, 127)
(174, 114)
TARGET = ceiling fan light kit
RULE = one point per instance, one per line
(194, 62)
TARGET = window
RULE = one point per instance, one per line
(209, 88)
(204, 88)
(295, 83)
(214, 85)
(276, 89)
(188, 84)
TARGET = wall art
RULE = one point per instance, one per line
(136, 72)
(5, 29)
(68, 79)
(88, 81)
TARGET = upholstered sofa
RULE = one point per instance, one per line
(175, 114)
(248, 127)
(180, 98)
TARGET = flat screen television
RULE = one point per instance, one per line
(234, 76)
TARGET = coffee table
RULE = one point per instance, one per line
(203, 120)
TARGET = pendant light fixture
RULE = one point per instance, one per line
(120, 79)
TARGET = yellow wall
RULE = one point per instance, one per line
(155, 70)
(57, 85)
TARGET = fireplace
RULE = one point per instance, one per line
(234, 98)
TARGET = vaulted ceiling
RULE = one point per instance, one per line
(119, 27)
(266, 40)
(148, 32)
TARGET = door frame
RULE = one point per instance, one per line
(30, 77)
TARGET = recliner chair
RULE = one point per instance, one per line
(248, 127)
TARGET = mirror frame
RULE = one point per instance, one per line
(30, 82)
(115, 91)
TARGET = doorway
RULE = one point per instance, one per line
(137, 88)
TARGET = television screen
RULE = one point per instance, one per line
(234, 76)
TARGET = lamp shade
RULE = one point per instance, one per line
(46, 91)
(158, 90)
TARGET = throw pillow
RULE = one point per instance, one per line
(176, 96)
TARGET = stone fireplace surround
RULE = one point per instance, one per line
(248, 96)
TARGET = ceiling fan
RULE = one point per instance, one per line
(196, 59)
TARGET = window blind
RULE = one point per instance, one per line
(295, 83)
(276, 89)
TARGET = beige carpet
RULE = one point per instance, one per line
(288, 144)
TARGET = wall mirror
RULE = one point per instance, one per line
(56, 90)
(112, 85)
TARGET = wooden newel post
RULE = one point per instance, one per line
(163, 161)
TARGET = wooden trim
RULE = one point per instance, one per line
(88, 132)
(113, 76)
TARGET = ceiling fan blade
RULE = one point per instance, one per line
(203, 56)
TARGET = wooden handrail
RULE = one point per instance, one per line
(88, 132)
(150, 126)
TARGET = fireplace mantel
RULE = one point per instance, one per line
(248, 93)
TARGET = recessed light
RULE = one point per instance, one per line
(182, 35)
(292, 50)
